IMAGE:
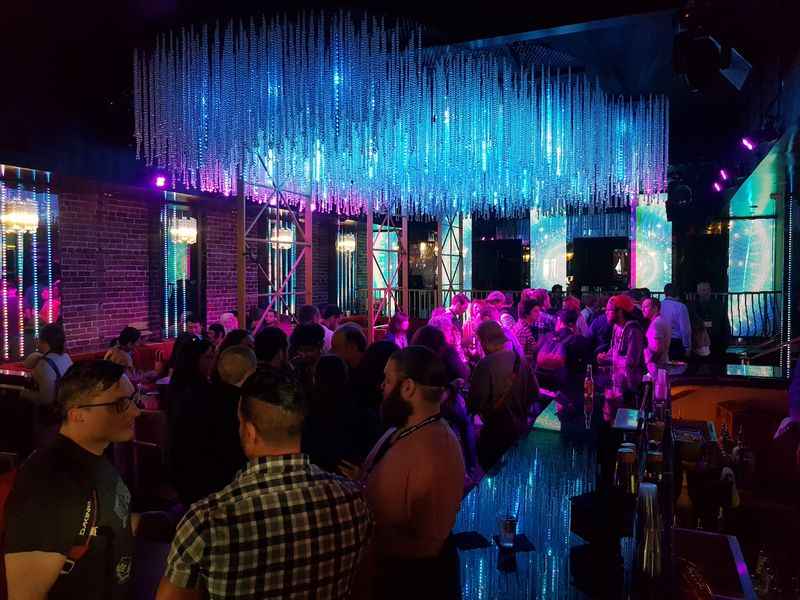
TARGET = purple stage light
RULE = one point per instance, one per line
(161, 181)
(717, 187)
(748, 143)
(724, 174)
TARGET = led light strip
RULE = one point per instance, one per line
(20, 275)
(175, 274)
(165, 229)
(49, 226)
(35, 269)
(4, 268)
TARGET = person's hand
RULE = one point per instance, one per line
(349, 470)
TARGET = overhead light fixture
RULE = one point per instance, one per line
(184, 230)
(283, 238)
(20, 216)
(346, 243)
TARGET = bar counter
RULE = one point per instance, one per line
(536, 480)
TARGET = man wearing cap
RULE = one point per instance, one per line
(627, 345)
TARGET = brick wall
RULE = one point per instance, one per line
(105, 244)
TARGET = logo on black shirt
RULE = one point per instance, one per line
(87, 515)
(123, 570)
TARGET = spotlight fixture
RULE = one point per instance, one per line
(723, 174)
(160, 181)
(748, 143)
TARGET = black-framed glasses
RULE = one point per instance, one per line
(121, 405)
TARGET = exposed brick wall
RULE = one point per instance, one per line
(105, 244)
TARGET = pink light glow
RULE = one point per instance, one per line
(717, 187)
(161, 181)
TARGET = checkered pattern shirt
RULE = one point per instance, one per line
(283, 529)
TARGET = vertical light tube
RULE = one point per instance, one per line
(175, 273)
(21, 291)
(165, 228)
(49, 233)
(4, 274)
(35, 272)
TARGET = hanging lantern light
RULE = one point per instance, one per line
(184, 230)
(346, 243)
(283, 238)
(21, 216)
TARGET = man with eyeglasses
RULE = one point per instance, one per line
(69, 532)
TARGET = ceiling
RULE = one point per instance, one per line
(66, 99)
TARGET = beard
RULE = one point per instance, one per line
(394, 410)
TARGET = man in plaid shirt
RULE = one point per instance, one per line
(283, 528)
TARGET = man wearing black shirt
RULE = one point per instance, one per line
(69, 532)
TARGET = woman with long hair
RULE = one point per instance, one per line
(398, 330)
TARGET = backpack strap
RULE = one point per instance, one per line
(87, 532)
(53, 366)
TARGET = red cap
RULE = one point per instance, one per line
(623, 302)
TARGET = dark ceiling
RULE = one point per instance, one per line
(66, 95)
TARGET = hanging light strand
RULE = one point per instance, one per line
(360, 116)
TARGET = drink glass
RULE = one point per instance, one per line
(507, 524)
(588, 402)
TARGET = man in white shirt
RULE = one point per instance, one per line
(331, 317)
(674, 312)
(658, 336)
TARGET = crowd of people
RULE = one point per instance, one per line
(304, 460)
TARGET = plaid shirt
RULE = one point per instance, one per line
(283, 529)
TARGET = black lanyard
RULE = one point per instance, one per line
(403, 434)
(407, 432)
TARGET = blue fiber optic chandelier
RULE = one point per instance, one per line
(355, 115)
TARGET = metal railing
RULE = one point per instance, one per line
(750, 314)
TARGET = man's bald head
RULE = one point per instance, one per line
(236, 364)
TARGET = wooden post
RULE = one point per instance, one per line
(309, 258)
(370, 272)
(460, 262)
(439, 282)
(241, 253)
(403, 264)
